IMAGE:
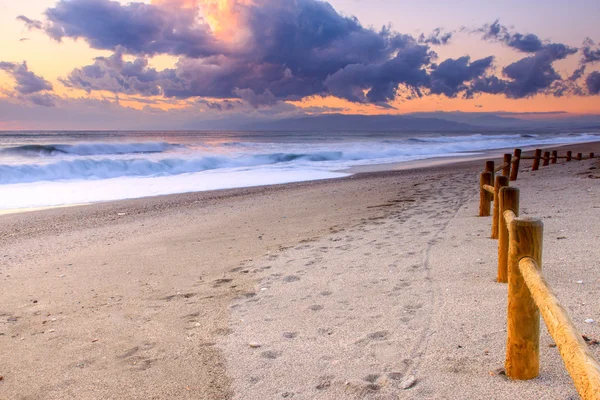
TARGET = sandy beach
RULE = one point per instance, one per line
(346, 288)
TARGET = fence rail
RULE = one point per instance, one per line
(520, 264)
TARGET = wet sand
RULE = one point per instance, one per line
(329, 289)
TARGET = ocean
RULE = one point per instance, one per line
(43, 169)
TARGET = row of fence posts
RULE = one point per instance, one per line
(519, 264)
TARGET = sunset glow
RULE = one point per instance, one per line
(273, 59)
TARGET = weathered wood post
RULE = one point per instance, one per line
(484, 196)
(501, 181)
(507, 164)
(554, 157)
(509, 201)
(490, 167)
(536, 160)
(515, 168)
(569, 155)
(546, 159)
(591, 155)
(523, 344)
(579, 157)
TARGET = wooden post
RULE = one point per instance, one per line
(484, 197)
(591, 155)
(579, 157)
(554, 157)
(501, 181)
(507, 164)
(536, 160)
(491, 168)
(515, 168)
(509, 201)
(546, 159)
(523, 344)
(569, 155)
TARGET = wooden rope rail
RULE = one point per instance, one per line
(519, 264)
(579, 361)
(501, 167)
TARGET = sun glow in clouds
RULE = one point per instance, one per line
(225, 17)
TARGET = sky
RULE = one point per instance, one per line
(180, 64)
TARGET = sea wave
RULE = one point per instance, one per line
(88, 149)
(114, 168)
(467, 138)
(333, 156)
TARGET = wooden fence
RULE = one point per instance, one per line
(519, 265)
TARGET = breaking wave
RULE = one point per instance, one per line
(88, 149)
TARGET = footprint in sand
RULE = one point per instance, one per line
(269, 354)
(221, 282)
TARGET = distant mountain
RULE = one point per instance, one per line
(526, 121)
(341, 122)
(437, 121)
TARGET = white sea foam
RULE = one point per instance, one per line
(34, 175)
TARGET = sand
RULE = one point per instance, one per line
(349, 288)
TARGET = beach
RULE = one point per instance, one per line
(353, 287)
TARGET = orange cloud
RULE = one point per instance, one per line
(225, 17)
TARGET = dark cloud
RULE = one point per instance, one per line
(451, 76)
(527, 43)
(140, 28)
(380, 81)
(593, 83)
(536, 74)
(591, 53)
(489, 84)
(530, 75)
(256, 100)
(26, 81)
(225, 105)
(437, 37)
(43, 99)
(115, 75)
(284, 50)
(292, 49)
(30, 23)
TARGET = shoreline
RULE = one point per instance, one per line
(373, 168)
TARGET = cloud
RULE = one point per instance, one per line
(256, 100)
(377, 83)
(294, 49)
(527, 43)
(43, 99)
(536, 74)
(437, 37)
(451, 76)
(116, 75)
(593, 83)
(31, 24)
(26, 81)
(530, 75)
(591, 53)
(140, 28)
(266, 52)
